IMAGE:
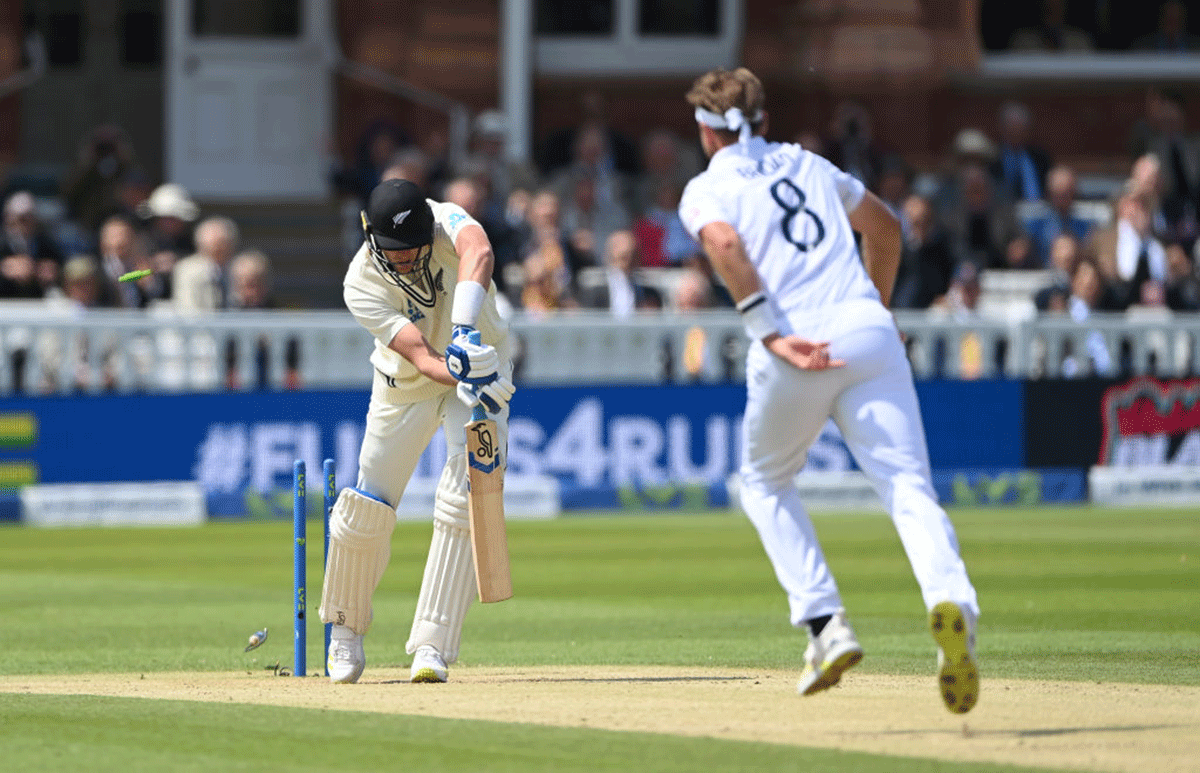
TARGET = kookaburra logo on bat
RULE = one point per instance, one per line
(483, 435)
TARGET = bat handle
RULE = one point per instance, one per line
(477, 413)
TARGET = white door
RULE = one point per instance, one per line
(248, 98)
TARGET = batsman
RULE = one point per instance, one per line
(421, 284)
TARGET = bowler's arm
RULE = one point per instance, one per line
(725, 251)
(724, 248)
(881, 242)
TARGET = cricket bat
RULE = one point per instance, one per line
(485, 502)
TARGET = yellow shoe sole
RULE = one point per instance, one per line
(426, 675)
(958, 678)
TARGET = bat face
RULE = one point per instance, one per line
(489, 541)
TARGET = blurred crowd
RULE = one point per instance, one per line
(106, 222)
(588, 223)
(1005, 203)
(591, 221)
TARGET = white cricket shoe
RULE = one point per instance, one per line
(829, 655)
(345, 659)
(953, 629)
(428, 666)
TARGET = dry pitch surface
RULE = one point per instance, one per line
(1077, 725)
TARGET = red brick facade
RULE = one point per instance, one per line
(912, 62)
(10, 63)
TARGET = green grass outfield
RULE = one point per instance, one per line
(1067, 593)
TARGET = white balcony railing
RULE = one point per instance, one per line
(46, 350)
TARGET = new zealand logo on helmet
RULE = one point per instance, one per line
(398, 217)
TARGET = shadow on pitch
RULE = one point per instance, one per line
(599, 680)
(626, 679)
(1032, 733)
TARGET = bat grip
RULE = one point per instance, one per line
(477, 413)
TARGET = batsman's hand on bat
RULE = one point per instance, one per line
(802, 353)
(469, 362)
(494, 395)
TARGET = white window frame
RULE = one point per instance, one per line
(626, 52)
(1087, 66)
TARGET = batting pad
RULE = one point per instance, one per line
(448, 586)
(360, 544)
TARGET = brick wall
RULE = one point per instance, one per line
(10, 63)
(449, 48)
(455, 50)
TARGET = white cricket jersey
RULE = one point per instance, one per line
(789, 207)
(425, 301)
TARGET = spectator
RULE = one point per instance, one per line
(1172, 36)
(851, 146)
(82, 290)
(1065, 254)
(1087, 294)
(662, 239)
(983, 228)
(250, 281)
(664, 162)
(122, 250)
(376, 147)
(465, 192)
(1021, 167)
(1059, 216)
(1149, 127)
(592, 160)
(1183, 284)
(622, 293)
(1052, 33)
(83, 282)
(18, 277)
(169, 213)
(1146, 182)
(557, 263)
(411, 164)
(488, 148)
(926, 261)
(894, 187)
(92, 189)
(1127, 253)
(971, 147)
(589, 215)
(1178, 154)
(250, 289)
(693, 292)
(516, 214)
(30, 258)
(436, 146)
(560, 148)
(200, 281)
(961, 303)
(543, 289)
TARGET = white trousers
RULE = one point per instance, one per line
(874, 403)
(396, 435)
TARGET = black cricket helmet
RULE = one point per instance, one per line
(398, 218)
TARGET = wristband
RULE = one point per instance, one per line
(757, 316)
(468, 301)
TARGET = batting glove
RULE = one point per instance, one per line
(494, 395)
(471, 363)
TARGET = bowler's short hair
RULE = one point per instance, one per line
(718, 90)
